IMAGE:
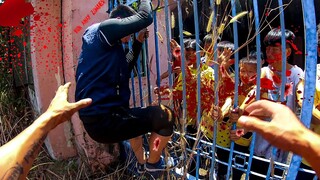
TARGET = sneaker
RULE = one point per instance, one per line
(156, 170)
(140, 168)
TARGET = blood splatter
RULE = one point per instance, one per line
(13, 18)
(17, 32)
(156, 144)
(37, 17)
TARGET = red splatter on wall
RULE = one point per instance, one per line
(8, 17)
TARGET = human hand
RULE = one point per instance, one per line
(284, 130)
(143, 35)
(234, 114)
(215, 113)
(236, 134)
(173, 45)
(60, 109)
(224, 57)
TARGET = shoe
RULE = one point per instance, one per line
(157, 169)
(140, 168)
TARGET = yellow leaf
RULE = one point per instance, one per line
(250, 14)
(187, 33)
(173, 21)
(209, 25)
(221, 28)
(218, 2)
(238, 16)
(160, 37)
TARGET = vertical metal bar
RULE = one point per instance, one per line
(139, 78)
(133, 90)
(236, 79)
(156, 43)
(132, 78)
(183, 69)
(283, 72)
(145, 51)
(168, 33)
(258, 82)
(310, 74)
(216, 88)
(140, 81)
(196, 24)
(283, 49)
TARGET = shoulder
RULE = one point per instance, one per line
(91, 33)
(92, 28)
(297, 72)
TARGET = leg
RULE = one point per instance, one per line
(136, 144)
(156, 152)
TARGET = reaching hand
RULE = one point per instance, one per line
(173, 45)
(234, 114)
(143, 35)
(284, 130)
(224, 57)
(61, 109)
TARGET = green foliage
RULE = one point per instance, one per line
(15, 114)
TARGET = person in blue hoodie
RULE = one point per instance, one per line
(103, 74)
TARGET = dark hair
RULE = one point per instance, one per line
(252, 58)
(207, 39)
(249, 60)
(274, 36)
(122, 11)
(191, 44)
(254, 54)
(225, 44)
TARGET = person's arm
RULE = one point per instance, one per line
(133, 54)
(114, 29)
(284, 130)
(18, 154)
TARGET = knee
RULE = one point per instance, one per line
(163, 120)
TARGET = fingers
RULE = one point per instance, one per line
(263, 108)
(234, 114)
(63, 91)
(63, 87)
(66, 87)
(253, 123)
(82, 104)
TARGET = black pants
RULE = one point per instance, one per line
(124, 123)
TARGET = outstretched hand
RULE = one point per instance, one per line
(224, 57)
(284, 130)
(61, 109)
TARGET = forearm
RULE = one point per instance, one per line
(115, 29)
(18, 154)
(133, 54)
(309, 148)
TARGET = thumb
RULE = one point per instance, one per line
(82, 104)
(253, 123)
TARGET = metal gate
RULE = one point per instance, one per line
(218, 19)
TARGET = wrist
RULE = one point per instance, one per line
(46, 120)
(140, 40)
(310, 147)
